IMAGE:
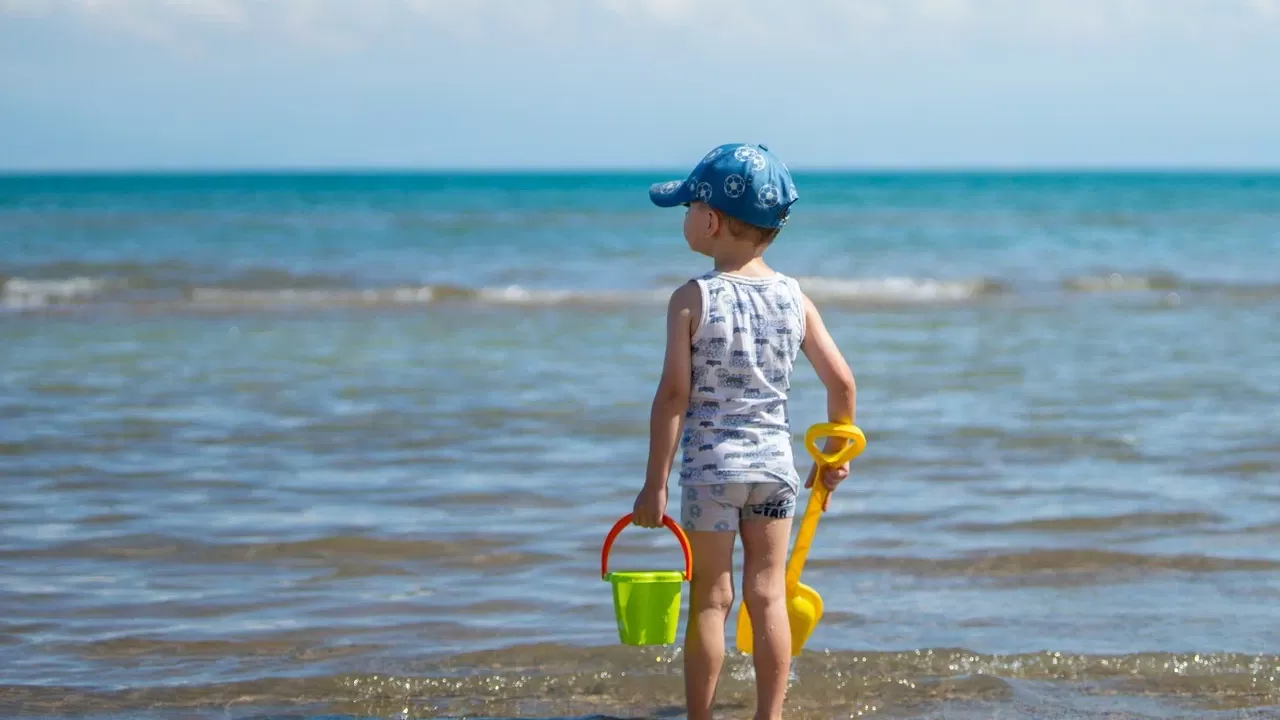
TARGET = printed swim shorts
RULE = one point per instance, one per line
(723, 507)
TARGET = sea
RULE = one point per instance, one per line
(347, 445)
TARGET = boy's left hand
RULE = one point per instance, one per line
(650, 506)
(832, 475)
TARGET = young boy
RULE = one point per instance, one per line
(733, 335)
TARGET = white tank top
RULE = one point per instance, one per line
(737, 428)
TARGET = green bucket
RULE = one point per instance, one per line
(646, 603)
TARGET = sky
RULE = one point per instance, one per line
(528, 84)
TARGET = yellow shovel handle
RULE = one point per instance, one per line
(818, 495)
(852, 433)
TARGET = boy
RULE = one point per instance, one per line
(733, 335)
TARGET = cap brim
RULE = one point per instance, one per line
(671, 194)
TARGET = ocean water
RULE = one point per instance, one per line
(347, 446)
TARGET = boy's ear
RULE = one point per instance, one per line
(713, 222)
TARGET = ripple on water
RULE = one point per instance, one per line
(1077, 565)
(475, 552)
(1098, 524)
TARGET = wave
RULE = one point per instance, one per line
(1116, 282)
(176, 286)
(550, 680)
(468, 552)
(1098, 524)
(18, 293)
(831, 290)
(899, 289)
(1060, 566)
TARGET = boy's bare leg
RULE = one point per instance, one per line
(764, 543)
(710, 597)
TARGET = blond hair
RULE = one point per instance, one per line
(746, 231)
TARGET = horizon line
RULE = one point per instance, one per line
(1170, 169)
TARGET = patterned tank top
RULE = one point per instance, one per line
(737, 428)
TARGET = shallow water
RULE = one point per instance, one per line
(348, 447)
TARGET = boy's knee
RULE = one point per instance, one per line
(764, 590)
(716, 594)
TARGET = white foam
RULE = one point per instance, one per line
(1115, 282)
(894, 289)
(322, 298)
(22, 293)
(517, 295)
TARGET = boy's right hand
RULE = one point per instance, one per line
(649, 508)
(832, 475)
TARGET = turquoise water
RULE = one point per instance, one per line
(341, 445)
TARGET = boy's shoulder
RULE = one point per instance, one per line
(686, 299)
(688, 291)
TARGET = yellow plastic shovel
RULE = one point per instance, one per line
(804, 604)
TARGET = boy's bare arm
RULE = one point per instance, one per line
(670, 402)
(834, 372)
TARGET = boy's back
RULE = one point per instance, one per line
(744, 347)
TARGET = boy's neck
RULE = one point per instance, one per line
(748, 265)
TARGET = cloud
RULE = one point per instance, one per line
(833, 25)
(23, 8)
(1268, 9)
(526, 82)
(225, 11)
(811, 35)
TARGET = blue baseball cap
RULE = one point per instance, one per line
(743, 181)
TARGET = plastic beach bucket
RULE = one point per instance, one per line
(646, 603)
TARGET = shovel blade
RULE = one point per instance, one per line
(804, 610)
(745, 640)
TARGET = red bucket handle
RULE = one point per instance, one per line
(671, 525)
